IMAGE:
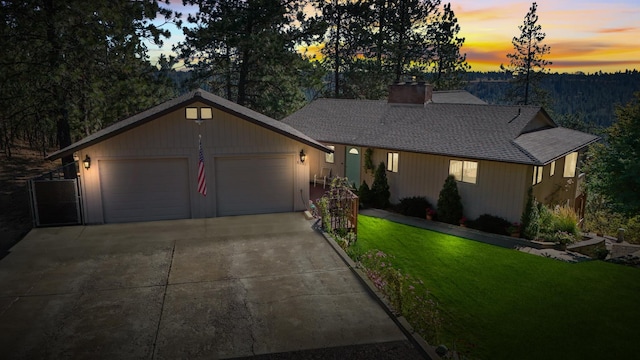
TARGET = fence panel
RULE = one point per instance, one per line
(55, 202)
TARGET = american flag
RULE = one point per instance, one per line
(202, 179)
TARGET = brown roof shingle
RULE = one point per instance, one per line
(476, 131)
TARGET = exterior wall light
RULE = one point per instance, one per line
(303, 156)
(86, 162)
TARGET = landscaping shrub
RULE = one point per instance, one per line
(565, 219)
(365, 195)
(449, 202)
(491, 224)
(530, 217)
(414, 206)
(632, 230)
(545, 218)
(380, 188)
(559, 225)
(368, 161)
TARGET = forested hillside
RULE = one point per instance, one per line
(591, 97)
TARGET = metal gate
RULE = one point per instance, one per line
(55, 200)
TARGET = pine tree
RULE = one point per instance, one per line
(76, 66)
(527, 64)
(448, 66)
(449, 205)
(245, 52)
(612, 169)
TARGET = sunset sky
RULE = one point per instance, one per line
(585, 35)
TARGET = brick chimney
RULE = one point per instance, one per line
(410, 93)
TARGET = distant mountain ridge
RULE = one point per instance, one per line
(591, 97)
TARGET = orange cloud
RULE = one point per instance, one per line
(617, 30)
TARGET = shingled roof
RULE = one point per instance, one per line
(515, 134)
(182, 101)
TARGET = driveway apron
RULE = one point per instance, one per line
(201, 288)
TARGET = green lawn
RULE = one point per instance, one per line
(504, 304)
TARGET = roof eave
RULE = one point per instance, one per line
(577, 148)
(195, 96)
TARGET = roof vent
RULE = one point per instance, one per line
(410, 93)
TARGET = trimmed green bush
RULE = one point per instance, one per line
(380, 188)
(365, 195)
(491, 224)
(415, 206)
(449, 203)
(530, 217)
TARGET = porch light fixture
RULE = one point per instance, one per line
(303, 156)
(86, 162)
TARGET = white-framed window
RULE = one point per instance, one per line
(570, 164)
(392, 161)
(537, 174)
(465, 171)
(329, 157)
(552, 171)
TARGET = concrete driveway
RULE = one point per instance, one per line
(205, 288)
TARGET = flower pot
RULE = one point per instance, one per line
(429, 217)
(515, 234)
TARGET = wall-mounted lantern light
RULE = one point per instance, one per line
(86, 162)
(303, 156)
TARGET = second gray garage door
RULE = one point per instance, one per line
(144, 190)
(254, 185)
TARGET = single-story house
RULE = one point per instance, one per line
(147, 167)
(495, 152)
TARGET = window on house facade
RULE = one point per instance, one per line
(552, 171)
(392, 161)
(570, 163)
(329, 157)
(537, 174)
(465, 171)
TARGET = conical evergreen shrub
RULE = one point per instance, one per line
(449, 202)
(380, 188)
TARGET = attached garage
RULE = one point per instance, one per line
(254, 185)
(144, 190)
(146, 167)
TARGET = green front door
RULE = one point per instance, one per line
(352, 164)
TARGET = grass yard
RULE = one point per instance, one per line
(499, 303)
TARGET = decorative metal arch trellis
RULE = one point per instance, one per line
(339, 208)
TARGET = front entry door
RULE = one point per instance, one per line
(352, 164)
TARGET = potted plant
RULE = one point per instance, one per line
(431, 214)
(463, 221)
(514, 229)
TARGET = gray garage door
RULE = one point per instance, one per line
(255, 185)
(144, 190)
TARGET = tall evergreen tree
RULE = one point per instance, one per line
(347, 24)
(527, 64)
(245, 51)
(80, 65)
(448, 66)
(402, 45)
(612, 169)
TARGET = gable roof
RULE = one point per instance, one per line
(516, 134)
(456, 97)
(183, 101)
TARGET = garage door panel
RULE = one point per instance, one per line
(144, 190)
(254, 185)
